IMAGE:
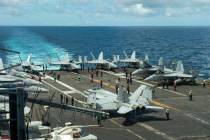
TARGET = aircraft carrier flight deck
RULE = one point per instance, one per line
(188, 119)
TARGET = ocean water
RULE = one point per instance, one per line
(189, 44)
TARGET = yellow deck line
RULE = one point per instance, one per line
(158, 103)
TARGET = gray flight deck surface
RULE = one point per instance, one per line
(188, 119)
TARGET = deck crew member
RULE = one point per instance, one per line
(126, 74)
(101, 73)
(91, 77)
(72, 101)
(128, 89)
(175, 85)
(96, 73)
(167, 114)
(101, 83)
(204, 83)
(40, 79)
(58, 76)
(61, 98)
(117, 85)
(130, 78)
(167, 84)
(190, 95)
(54, 76)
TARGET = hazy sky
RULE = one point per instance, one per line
(105, 12)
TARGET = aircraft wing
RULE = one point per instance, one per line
(124, 110)
(178, 75)
(129, 61)
(97, 62)
(107, 104)
(36, 68)
(149, 107)
(55, 63)
(93, 62)
(185, 75)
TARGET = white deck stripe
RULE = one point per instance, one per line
(156, 131)
(128, 130)
(178, 93)
(63, 92)
(65, 85)
(196, 118)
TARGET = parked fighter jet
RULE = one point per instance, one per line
(29, 66)
(177, 75)
(149, 69)
(67, 63)
(134, 62)
(101, 62)
(9, 82)
(122, 102)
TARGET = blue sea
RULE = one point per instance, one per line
(189, 44)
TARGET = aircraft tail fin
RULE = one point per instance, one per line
(29, 57)
(143, 91)
(49, 60)
(85, 59)
(126, 56)
(146, 59)
(66, 58)
(93, 56)
(2, 66)
(133, 55)
(180, 67)
(101, 56)
(118, 57)
(122, 95)
(161, 64)
(80, 59)
(114, 58)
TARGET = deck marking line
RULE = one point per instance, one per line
(63, 92)
(164, 105)
(178, 93)
(196, 118)
(156, 131)
(67, 86)
(128, 130)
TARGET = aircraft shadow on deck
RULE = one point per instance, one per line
(143, 116)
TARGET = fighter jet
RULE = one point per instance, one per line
(177, 75)
(67, 63)
(148, 69)
(9, 82)
(29, 66)
(101, 62)
(134, 62)
(122, 102)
